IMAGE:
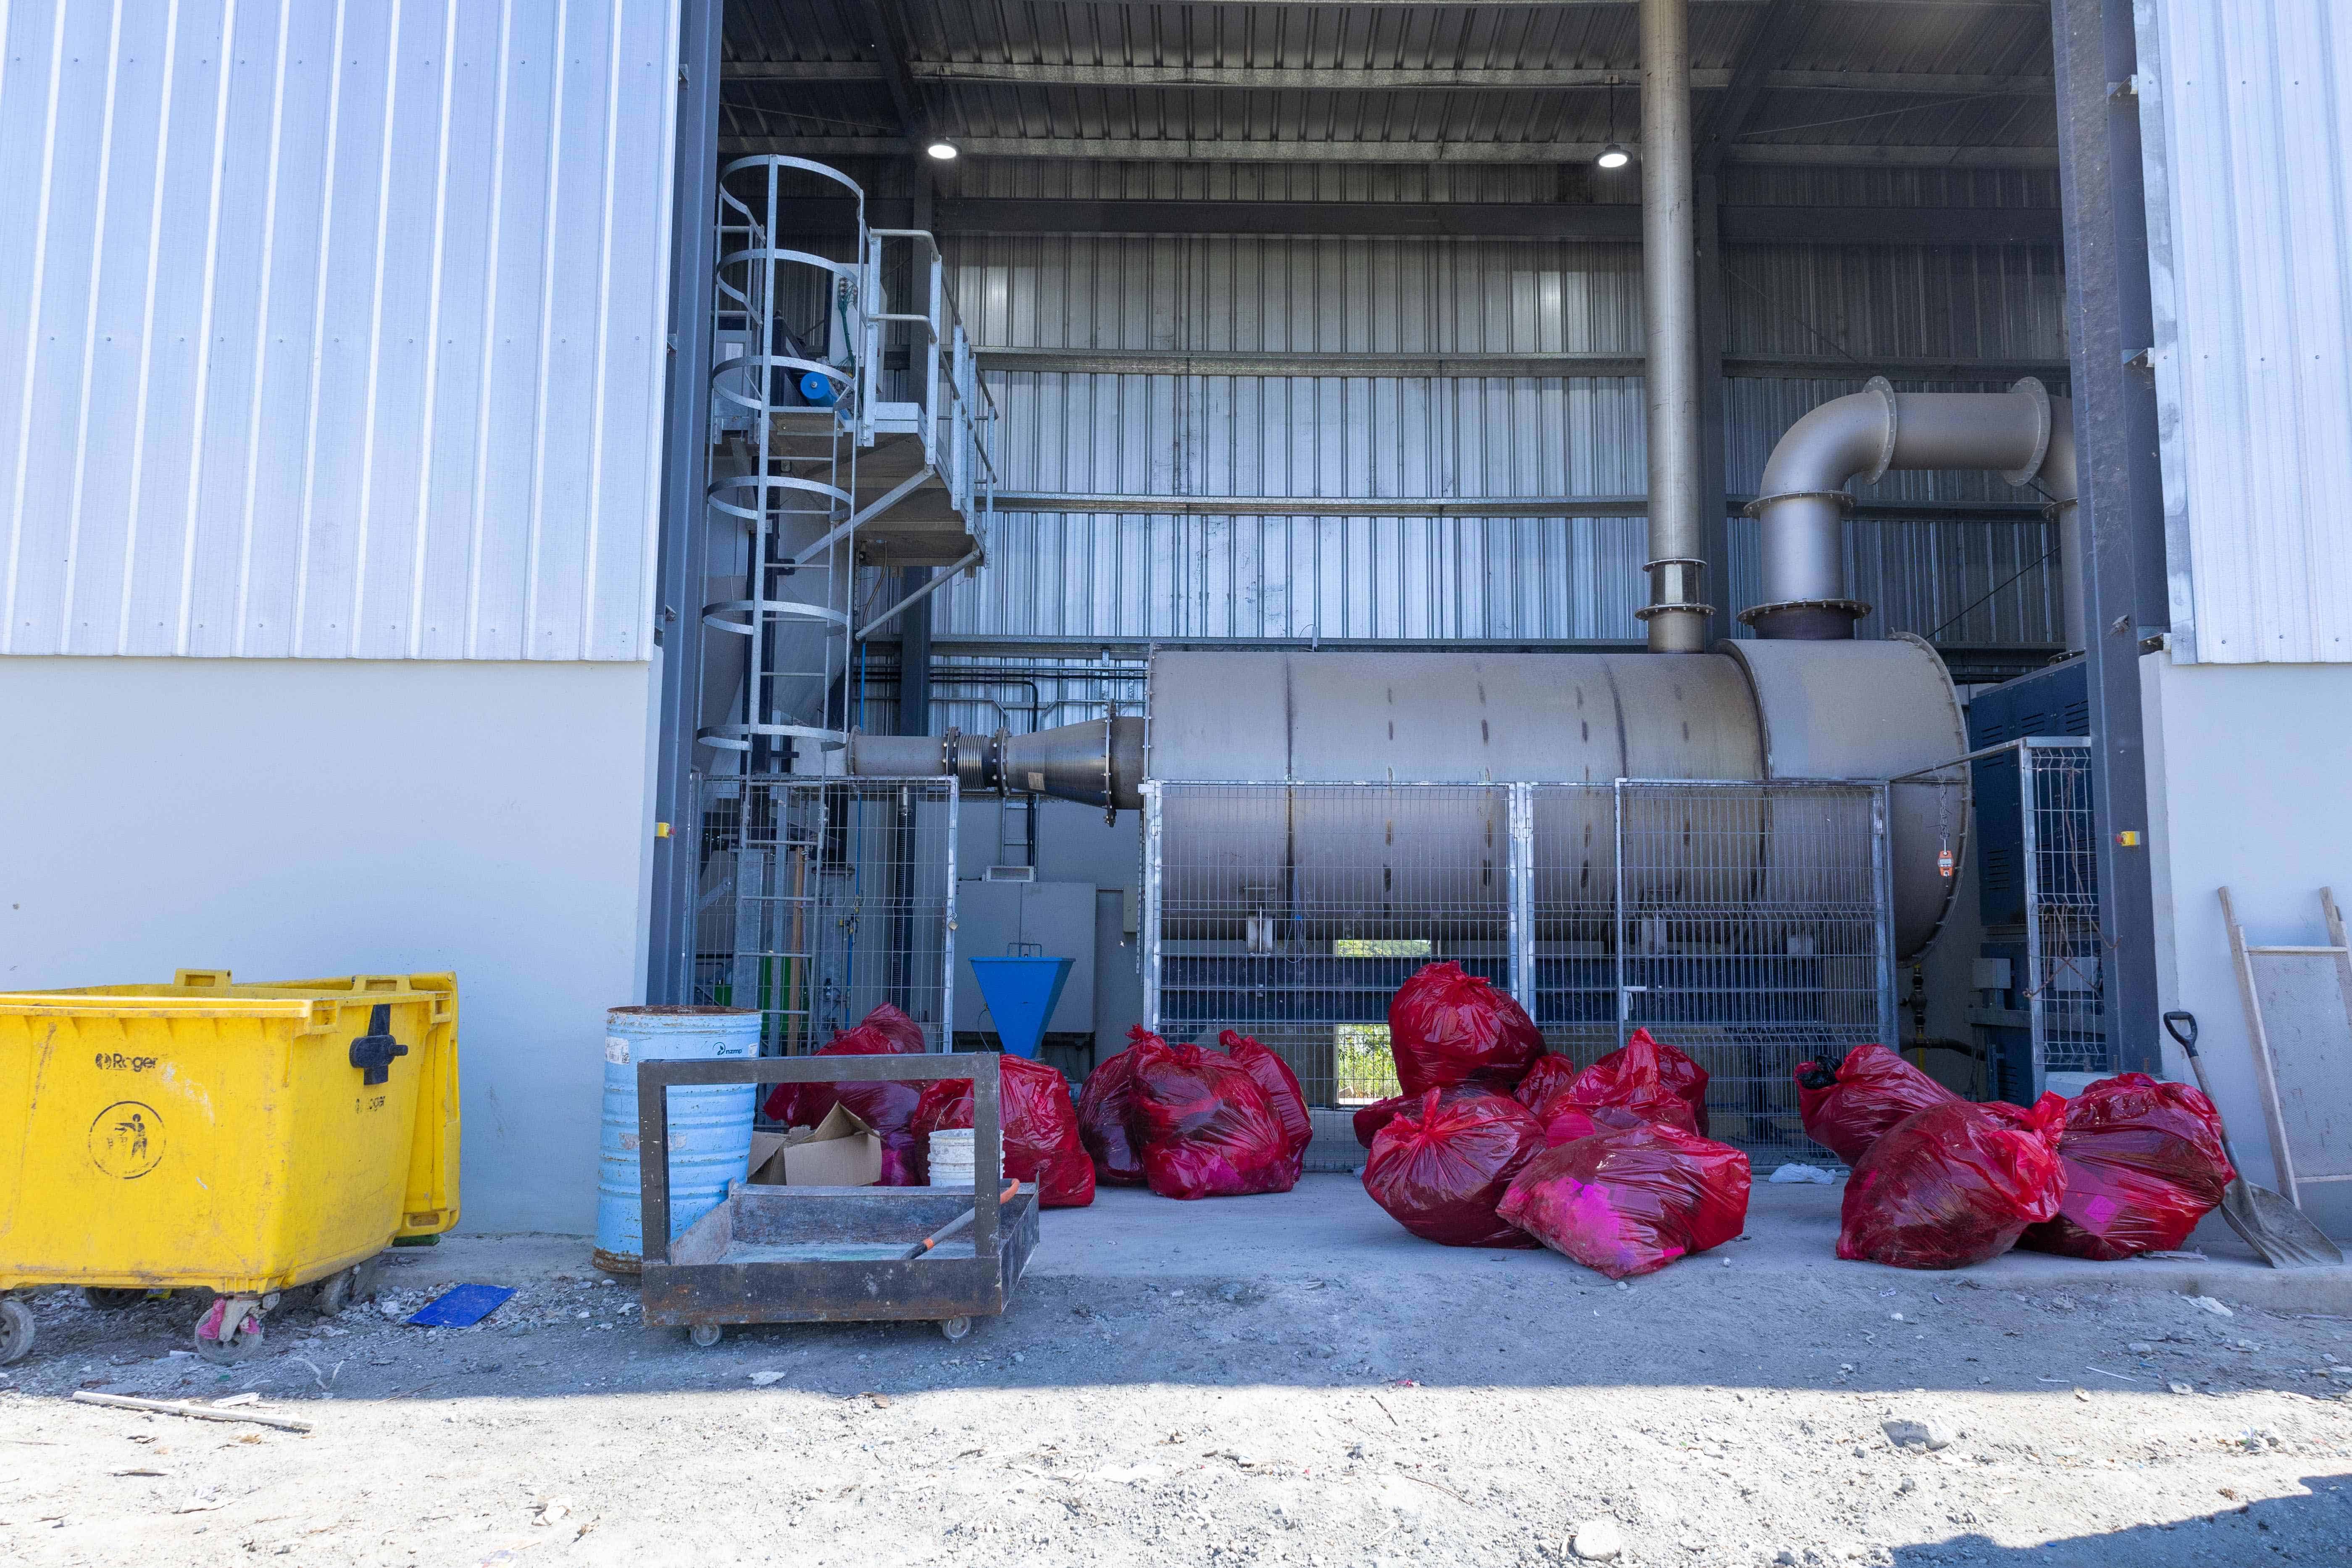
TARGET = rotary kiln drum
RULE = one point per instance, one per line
(1751, 709)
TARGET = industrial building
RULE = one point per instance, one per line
(1793, 522)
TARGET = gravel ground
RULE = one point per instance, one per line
(1699, 1416)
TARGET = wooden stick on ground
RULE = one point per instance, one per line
(201, 1412)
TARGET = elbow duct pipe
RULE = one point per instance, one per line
(2025, 433)
(1677, 615)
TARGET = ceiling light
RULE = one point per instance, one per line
(1613, 157)
(942, 148)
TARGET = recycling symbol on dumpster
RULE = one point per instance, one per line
(126, 1140)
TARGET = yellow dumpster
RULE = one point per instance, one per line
(240, 1139)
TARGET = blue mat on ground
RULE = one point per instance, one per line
(461, 1306)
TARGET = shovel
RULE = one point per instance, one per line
(2271, 1225)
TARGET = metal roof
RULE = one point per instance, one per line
(1901, 81)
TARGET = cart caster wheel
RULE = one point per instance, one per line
(335, 1292)
(224, 1346)
(956, 1328)
(16, 1331)
(704, 1335)
(108, 1300)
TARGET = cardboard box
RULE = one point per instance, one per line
(839, 1152)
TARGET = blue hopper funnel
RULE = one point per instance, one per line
(1021, 994)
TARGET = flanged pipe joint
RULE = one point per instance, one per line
(2025, 433)
(1098, 762)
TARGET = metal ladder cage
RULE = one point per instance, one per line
(795, 419)
(823, 897)
(1749, 923)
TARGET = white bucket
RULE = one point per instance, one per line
(951, 1158)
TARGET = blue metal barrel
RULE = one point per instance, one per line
(709, 1128)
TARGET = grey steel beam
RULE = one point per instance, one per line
(1226, 149)
(1377, 78)
(1100, 503)
(1775, 32)
(889, 43)
(2110, 319)
(1475, 366)
(1600, 223)
(684, 537)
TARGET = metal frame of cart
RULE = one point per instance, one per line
(832, 1255)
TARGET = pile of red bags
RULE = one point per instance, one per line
(2144, 1163)
(1953, 1185)
(1848, 1108)
(1196, 1123)
(1041, 1129)
(1446, 1027)
(1631, 1200)
(1441, 1165)
(1644, 1080)
(888, 1108)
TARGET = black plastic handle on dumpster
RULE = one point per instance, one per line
(372, 1052)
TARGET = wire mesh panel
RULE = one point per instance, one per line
(822, 898)
(1573, 905)
(1746, 922)
(1752, 932)
(1292, 912)
(2063, 989)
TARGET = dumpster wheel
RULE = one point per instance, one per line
(226, 1346)
(16, 1331)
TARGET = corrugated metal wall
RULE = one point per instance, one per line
(333, 330)
(1078, 573)
(2247, 120)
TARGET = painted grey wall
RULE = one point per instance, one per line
(288, 818)
(2249, 773)
(1074, 845)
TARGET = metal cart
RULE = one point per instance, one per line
(834, 1255)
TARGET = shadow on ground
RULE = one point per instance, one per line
(2315, 1527)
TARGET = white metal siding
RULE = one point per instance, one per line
(333, 330)
(2247, 115)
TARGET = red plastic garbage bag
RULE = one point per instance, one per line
(1631, 1200)
(1205, 1125)
(1564, 1121)
(1371, 1118)
(1848, 1108)
(1550, 1074)
(888, 1108)
(1442, 1164)
(2143, 1163)
(1282, 1095)
(1678, 1074)
(1629, 1079)
(1107, 1115)
(1447, 1027)
(1041, 1129)
(1951, 1185)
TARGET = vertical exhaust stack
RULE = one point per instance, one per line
(1677, 613)
(2025, 433)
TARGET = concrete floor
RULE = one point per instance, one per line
(1327, 1228)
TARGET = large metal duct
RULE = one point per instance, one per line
(2025, 433)
(1747, 710)
(1677, 613)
